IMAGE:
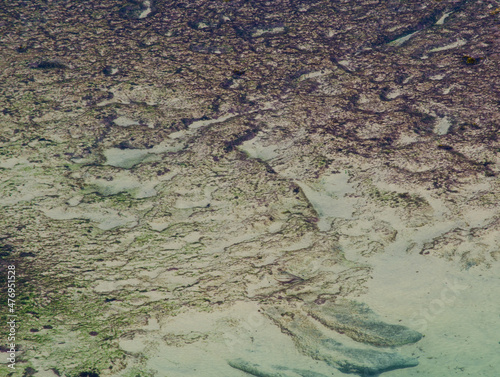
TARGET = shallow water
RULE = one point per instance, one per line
(457, 311)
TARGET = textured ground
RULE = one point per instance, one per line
(180, 159)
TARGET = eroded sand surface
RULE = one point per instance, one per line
(234, 188)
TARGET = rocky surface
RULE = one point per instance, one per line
(316, 344)
(360, 323)
(169, 157)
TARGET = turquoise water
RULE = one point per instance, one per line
(457, 310)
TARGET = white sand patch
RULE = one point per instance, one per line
(394, 94)
(193, 127)
(475, 219)
(448, 89)
(75, 200)
(304, 242)
(311, 75)
(11, 162)
(152, 274)
(222, 244)
(178, 134)
(327, 196)
(185, 204)
(123, 121)
(398, 42)
(124, 182)
(152, 325)
(160, 224)
(443, 17)
(458, 43)
(167, 146)
(363, 99)
(157, 295)
(275, 226)
(171, 280)
(197, 199)
(203, 123)
(135, 345)
(255, 149)
(173, 245)
(117, 97)
(192, 237)
(147, 11)
(438, 77)
(442, 126)
(84, 160)
(114, 263)
(125, 158)
(406, 139)
(347, 64)
(274, 30)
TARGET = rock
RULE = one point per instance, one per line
(109, 70)
(49, 64)
(313, 342)
(272, 371)
(360, 323)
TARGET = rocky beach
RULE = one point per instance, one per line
(236, 188)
